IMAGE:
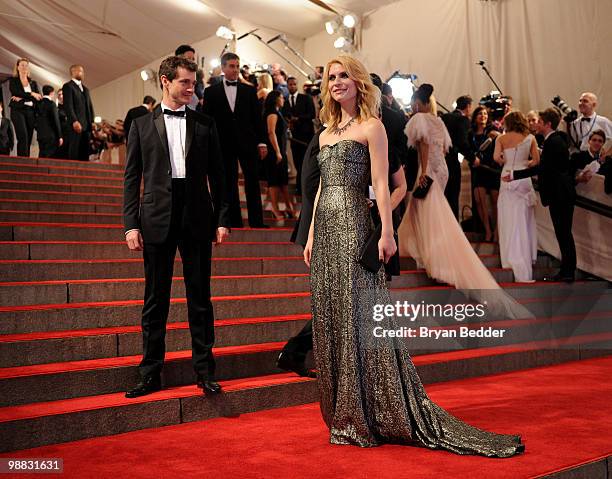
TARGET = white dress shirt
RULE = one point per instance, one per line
(230, 92)
(28, 89)
(176, 131)
(580, 131)
(79, 83)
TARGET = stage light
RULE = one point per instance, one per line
(225, 33)
(215, 62)
(349, 21)
(403, 87)
(147, 74)
(331, 26)
(340, 43)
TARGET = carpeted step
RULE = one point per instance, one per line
(7, 195)
(32, 424)
(23, 160)
(61, 178)
(36, 231)
(125, 289)
(62, 170)
(49, 270)
(50, 423)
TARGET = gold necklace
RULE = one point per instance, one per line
(338, 131)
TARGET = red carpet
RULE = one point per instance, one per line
(562, 413)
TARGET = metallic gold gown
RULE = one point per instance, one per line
(369, 395)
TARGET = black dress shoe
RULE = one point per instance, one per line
(560, 278)
(208, 387)
(148, 385)
(287, 363)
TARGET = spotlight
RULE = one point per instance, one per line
(331, 26)
(147, 74)
(98, 119)
(403, 87)
(215, 62)
(225, 33)
(349, 21)
(340, 43)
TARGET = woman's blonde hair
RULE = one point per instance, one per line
(265, 80)
(368, 95)
(19, 60)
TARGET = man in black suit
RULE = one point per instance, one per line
(299, 111)
(458, 125)
(7, 138)
(48, 128)
(147, 106)
(80, 112)
(176, 150)
(556, 186)
(237, 112)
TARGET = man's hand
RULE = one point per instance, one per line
(263, 151)
(134, 240)
(222, 235)
(76, 126)
(507, 178)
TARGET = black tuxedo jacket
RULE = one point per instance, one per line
(148, 158)
(132, 114)
(77, 105)
(48, 123)
(310, 184)
(16, 89)
(555, 180)
(241, 130)
(304, 111)
(458, 127)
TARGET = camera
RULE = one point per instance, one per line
(570, 114)
(496, 103)
(313, 89)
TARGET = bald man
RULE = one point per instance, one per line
(587, 122)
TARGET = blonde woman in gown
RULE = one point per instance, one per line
(429, 231)
(518, 241)
(368, 396)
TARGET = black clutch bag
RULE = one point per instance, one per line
(369, 256)
(420, 192)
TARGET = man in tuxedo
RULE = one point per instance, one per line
(587, 122)
(176, 151)
(48, 127)
(557, 190)
(237, 113)
(80, 112)
(299, 111)
(147, 106)
(458, 125)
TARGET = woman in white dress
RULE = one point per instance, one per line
(429, 231)
(517, 150)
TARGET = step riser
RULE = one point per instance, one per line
(57, 271)
(58, 162)
(60, 428)
(27, 353)
(87, 233)
(112, 316)
(59, 170)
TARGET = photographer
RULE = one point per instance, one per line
(594, 160)
(587, 122)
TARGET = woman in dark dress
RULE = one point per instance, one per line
(485, 172)
(24, 97)
(278, 175)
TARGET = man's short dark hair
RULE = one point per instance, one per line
(169, 67)
(376, 80)
(182, 49)
(47, 90)
(600, 133)
(149, 100)
(464, 101)
(386, 89)
(283, 73)
(228, 56)
(552, 116)
(291, 78)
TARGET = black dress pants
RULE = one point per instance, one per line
(453, 186)
(47, 148)
(23, 121)
(299, 345)
(562, 215)
(78, 145)
(248, 163)
(159, 264)
(298, 150)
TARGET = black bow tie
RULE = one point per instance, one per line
(180, 113)
(585, 119)
(231, 83)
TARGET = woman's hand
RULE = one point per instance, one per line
(37, 96)
(279, 157)
(423, 181)
(476, 162)
(16, 98)
(308, 250)
(386, 248)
